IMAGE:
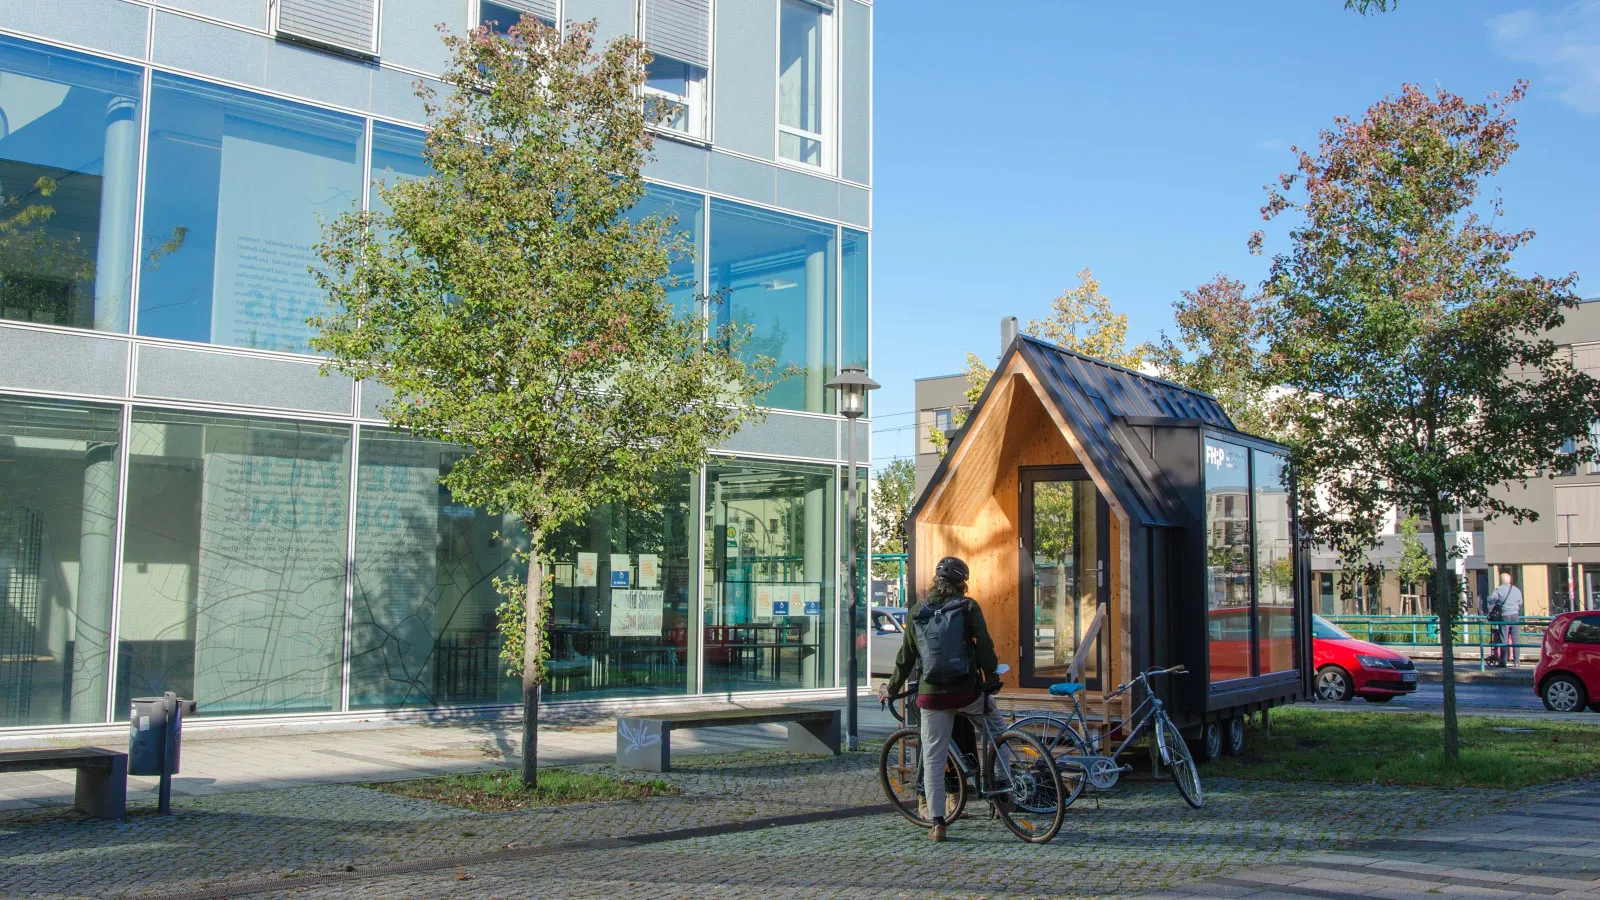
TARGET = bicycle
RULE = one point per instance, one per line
(1031, 797)
(1104, 771)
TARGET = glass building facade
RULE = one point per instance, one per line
(187, 504)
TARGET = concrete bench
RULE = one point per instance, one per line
(102, 775)
(645, 742)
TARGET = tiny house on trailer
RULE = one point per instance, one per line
(1115, 522)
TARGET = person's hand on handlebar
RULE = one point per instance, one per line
(883, 692)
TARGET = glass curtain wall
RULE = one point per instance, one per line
(1275, 626)
(58, 508)
(774, 274)
(69, 163)
(769, 576)
(422, 627)
(396, 156)
(233, 575)
(234, 187)
(622, 605)
(1228, 541)
(687, 214)
(863, 568)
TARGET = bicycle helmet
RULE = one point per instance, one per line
(951, 568)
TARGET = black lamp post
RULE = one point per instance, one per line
(852, 384)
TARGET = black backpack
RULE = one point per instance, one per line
(942, 643)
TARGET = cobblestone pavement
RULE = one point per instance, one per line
(299, 841)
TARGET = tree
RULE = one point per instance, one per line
(513, 307)
(1416, 560)
(1419, 367)
(1222, 332)
(891, 503)
(1082, 320)
(1366, 7)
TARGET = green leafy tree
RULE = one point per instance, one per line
(1416, 562)
(1418, 363)
(891, 503)
(1082, 320)
(514, 308)
(1220, 349)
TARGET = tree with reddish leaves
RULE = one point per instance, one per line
(1222, 330)
(1420, 371)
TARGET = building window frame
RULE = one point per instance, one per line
(692, 102)
(827, 92)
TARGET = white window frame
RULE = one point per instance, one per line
(475, 17)
(694, 104)
(828, 42)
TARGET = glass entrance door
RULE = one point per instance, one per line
(1065, 573)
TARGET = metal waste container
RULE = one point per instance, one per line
(155, 735)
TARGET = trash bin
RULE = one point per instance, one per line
(155, 734)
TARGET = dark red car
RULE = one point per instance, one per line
(1348, 668)
(1568, 675)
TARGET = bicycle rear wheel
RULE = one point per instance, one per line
(900, 772)
(1036, 800)
(1176, 753)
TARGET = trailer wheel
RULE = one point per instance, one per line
(1233, 736)
(1209, 746)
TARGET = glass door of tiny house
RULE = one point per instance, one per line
(1066, 572)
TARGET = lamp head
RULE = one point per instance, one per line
(852, 383)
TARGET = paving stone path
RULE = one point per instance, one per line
(715, 841)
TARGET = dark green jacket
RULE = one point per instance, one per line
(982, 649)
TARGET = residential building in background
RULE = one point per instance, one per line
(938, 399)
(188, 505)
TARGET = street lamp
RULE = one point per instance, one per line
(1572, 589)
(852, 384)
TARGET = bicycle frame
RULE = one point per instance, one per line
(1148, 710)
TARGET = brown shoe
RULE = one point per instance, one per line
(936, 833)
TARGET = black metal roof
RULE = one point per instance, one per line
(1097, 399)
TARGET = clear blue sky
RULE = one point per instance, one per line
(1014, 148)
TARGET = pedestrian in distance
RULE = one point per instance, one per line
(1505, 613)
(948, 639)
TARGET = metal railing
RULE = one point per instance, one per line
(899, 561)
(1469, 633)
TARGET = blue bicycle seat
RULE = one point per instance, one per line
(1065, 689)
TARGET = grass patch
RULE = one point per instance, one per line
(1384, 748)
(503, 790)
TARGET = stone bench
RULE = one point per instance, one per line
(645, 741)
(102, 775)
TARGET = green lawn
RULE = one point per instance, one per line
(1386, 748)
(503, 790)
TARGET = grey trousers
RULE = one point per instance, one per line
(937, 725)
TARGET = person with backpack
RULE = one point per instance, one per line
(949, 640)
(1505, 613)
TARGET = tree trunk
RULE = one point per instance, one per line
(1444, 603)
(532, 644)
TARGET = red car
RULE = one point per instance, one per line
(1568, 675)
(1348, 668)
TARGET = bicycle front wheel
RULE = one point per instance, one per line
(900, 772)
(1176, 753)
(1034, 799)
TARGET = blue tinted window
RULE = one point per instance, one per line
(500, 18)
(396, 156)
(668, 75)
(241, 179)
(688, 212)
(775, 273)
(69, 163)
(853, 304)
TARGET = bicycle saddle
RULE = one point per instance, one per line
(1065, 689)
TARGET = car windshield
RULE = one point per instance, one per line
(1322, 629)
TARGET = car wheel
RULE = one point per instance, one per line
(1563, 693)
(1233, 736)
(1378, 698)
(1333, 683)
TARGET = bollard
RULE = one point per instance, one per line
(155, 735)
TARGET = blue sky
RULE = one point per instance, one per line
(1015, 148)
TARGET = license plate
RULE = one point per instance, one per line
(1408, 676)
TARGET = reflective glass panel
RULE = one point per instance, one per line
(774, 273)
(853, 304)
(422, 629)
(233, 191)
(800, 83)
(500, 17)
(1066, 577)
(688, 214)
(769, 579)
(1275, 628)
(1228, 539)
(619, 621)
(69, 164)
(863, 582)
(58, 509)
(396, 156)
(233, 571)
